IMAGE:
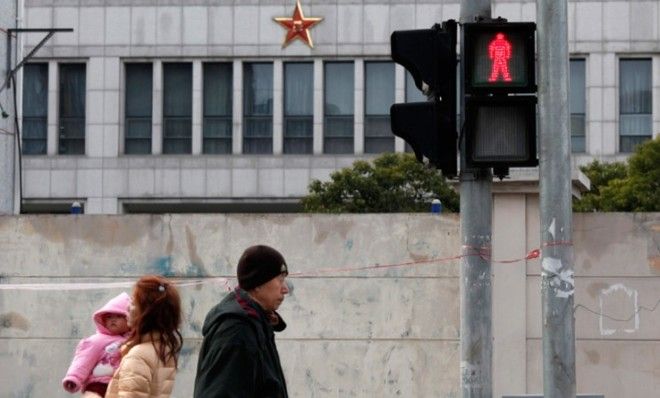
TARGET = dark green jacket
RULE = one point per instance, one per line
(238, 358)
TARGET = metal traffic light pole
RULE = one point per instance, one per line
(476, 344)
(557, 281)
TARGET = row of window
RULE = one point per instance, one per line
(298, 86)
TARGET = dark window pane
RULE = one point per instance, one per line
(298, 89)
(379, 96)
(298, 107)
(338, 134)
(72, 109)
(577, 133)
(35, 109)
(635, 103)
(413, 94)
(217, 124)
(339, 105)
(378, 135)
(139, 83)
(577, 102)
(177, 108)
(258, 108)
(298, 137)
(629, 143)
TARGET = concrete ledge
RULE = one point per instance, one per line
(526, 181)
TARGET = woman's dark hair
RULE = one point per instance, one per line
(157, 315)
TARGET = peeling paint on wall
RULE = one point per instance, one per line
(163, 266)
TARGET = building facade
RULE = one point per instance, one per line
(174, 106)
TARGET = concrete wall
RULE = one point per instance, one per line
(348, 336)
(370, 333)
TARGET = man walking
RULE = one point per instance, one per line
(238, 357)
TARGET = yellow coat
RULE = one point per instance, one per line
(141, 374)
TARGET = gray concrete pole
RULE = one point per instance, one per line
(475, 276)
(557, 281)
(7, 131)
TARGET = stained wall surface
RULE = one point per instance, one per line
(358, 333)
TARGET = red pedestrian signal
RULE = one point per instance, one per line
(499, 57)
(500, 100)
(499, 52)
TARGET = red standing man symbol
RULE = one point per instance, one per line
(499, 52)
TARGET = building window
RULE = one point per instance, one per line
(577, 103)
(379, 96)
(298, 107)
(634, 103)
(35, 109)
(338, 107)
(413, 94)
(177, 108)
(72, 109)
(258, 108)
(217, 127)
(139, 83)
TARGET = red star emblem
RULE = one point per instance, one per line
(297, 26)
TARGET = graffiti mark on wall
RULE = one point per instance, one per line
(622, 299)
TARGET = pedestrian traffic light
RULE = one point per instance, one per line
(429, 127)
(500, 100)
(499, 57)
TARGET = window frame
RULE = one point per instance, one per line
(305, 140)
(378, 137)
(575, 117)
(622, 146)
(129, 138)
(220, 140)
(173, 119)
(80, 119)
(347, 141)
(251, 139)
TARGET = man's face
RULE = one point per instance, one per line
(271, 294)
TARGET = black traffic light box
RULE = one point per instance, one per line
(500, 128)
(501, 131)
(429, 127)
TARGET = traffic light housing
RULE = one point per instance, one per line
(500, 101)
(429, 127)
(500, 131)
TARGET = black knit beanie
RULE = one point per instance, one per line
(258, 265)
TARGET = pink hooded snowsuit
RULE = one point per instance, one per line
(98, 355)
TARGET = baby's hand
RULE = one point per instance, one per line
(70, 386)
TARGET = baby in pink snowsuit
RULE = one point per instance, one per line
(98, 355)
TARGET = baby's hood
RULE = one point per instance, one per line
(118, 305)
